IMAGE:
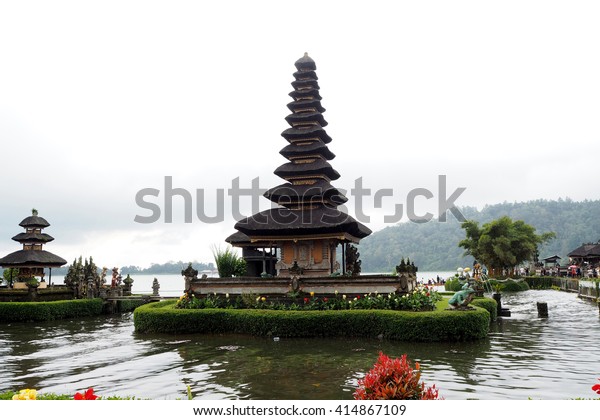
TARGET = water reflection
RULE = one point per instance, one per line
(524, 357)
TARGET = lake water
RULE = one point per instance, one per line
(523, 357)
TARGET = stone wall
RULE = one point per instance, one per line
(403, 283)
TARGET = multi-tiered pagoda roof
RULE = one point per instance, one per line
(32, 255)
(307, 201)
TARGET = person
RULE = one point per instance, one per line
(462, 298)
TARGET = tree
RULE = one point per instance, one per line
(10, 275)
(502, 243)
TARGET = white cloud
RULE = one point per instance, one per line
(100, 100)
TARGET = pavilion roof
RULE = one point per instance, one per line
(32, 258)
(586, 250)
(34, 221)
(24, 237)
(282, 222)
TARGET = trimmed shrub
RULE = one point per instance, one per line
(46, 311)
(453, 285)
(514, 286)
(488, 304)
(439, 325)
(129, 304)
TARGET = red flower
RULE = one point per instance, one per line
(88, 395)
(596, 388)
(357, 296)
(325, 299)
(306, 300)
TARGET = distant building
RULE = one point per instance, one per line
(551, 261)
(586, 254)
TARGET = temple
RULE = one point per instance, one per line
(306, 226)
(32, 259)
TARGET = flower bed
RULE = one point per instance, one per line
(423, 298)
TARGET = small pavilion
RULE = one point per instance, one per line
(32, 259)
(552, 261)
(306, 227)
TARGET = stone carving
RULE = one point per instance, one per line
(155, 287)
(461, 299)
(352, 260)
(189, 275)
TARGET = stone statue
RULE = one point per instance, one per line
(462, 298)
(353, 262)
(155, 287)
(115, 277)
(189, 275)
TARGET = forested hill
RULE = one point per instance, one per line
(434, 245)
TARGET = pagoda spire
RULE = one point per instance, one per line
(308, 172)
(307, 225)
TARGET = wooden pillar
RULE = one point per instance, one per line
(264, 261)
(343, 258)
(330, 257)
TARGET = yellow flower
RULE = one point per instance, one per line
(25, 394)
(263, 298)
(312, 294)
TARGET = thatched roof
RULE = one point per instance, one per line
(586, 251)
(27, 258)
(283, 222)
(315, 147)
(322, 190)
(34, 221)
(305, 63)
(294, 133)
(32, 238)
(318, 167)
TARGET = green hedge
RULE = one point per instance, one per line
(129, 305)
(488, 304)
(439, 325)
(46, 311)
(540, 283)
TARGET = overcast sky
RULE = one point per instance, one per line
(99, 100)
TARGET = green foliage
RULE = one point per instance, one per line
(509, 285)
(429, 326)
(502, 243)
(229, 264)
(434, 244)
(46, 311)
(540, 283)
(82, 270)
(52, 396)
(488, 304)
(453, 284)
(10, 273)
(170, 267)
